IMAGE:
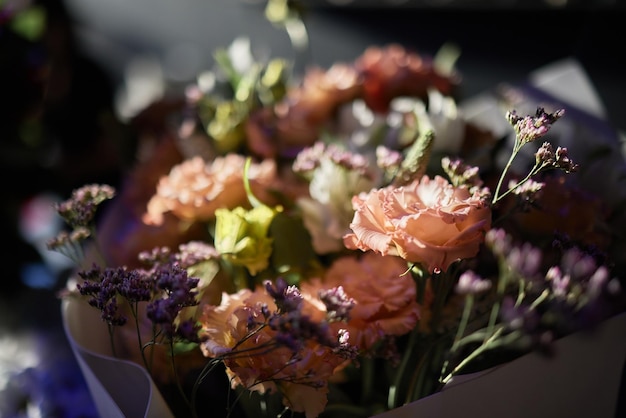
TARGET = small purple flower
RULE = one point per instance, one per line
(344, 348)
(294, 328)
(519, 317)
(104, 285)
(157, 255)
(498, 241)
(559, 282)
(80, 209)
(460, 173)
(530, 128)
(388, 159)
(338, 304)
(525, 260)
(195, 252)
(546, 157)
(529, 191)
(470, 283)
(287, 298)
(311, 158)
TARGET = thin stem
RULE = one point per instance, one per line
(134, 310)
(177, 380)
(496, 196)
(539, 299)
(520, 293)
(495, 308)
(368, 373)
(110, 327)
(467, 309)
(392, 397)
(483, 347)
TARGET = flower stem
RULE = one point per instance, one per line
(392, 397)
(179, 386)
(496, 195)
(483, 347)
(467, 309)
(368, 373)
(134, 310)
(113, 351)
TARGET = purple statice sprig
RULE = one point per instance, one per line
(80, 209)
(338, 304)
(79, 213)
(293, 327)
(176, 291)
(310, 159)
(461, 174)
(538, 299)
(529, 129)
(107, 287)
(166, 288)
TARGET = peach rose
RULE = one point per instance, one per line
(428, 221)
(385, 297)
(303, 383)
(195, 188)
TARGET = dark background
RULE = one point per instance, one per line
(60, 126)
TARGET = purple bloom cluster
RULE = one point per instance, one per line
(103, 285)
(309, 159)
(178, 292)
(80, 209)
(547, 157)
(461, 173)
(530, 128)
(292, 326)
(287, 298)
(338, 304)
(165, 286)
(558, 295)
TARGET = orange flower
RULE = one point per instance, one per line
(394, 71)
(385, 297)
(194, 189)
(256, 362)
(428, 221)
(297, 120)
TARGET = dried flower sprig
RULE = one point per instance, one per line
(79, 212)
(528, 129)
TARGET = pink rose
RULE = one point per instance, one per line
(430, 222)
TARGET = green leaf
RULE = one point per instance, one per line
(293, 252)
(415, 163)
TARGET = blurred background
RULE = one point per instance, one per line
(74, 73)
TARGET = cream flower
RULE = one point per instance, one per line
(194, 189)
(327, 210)
(428, 221)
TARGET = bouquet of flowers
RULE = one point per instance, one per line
(345, 242)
